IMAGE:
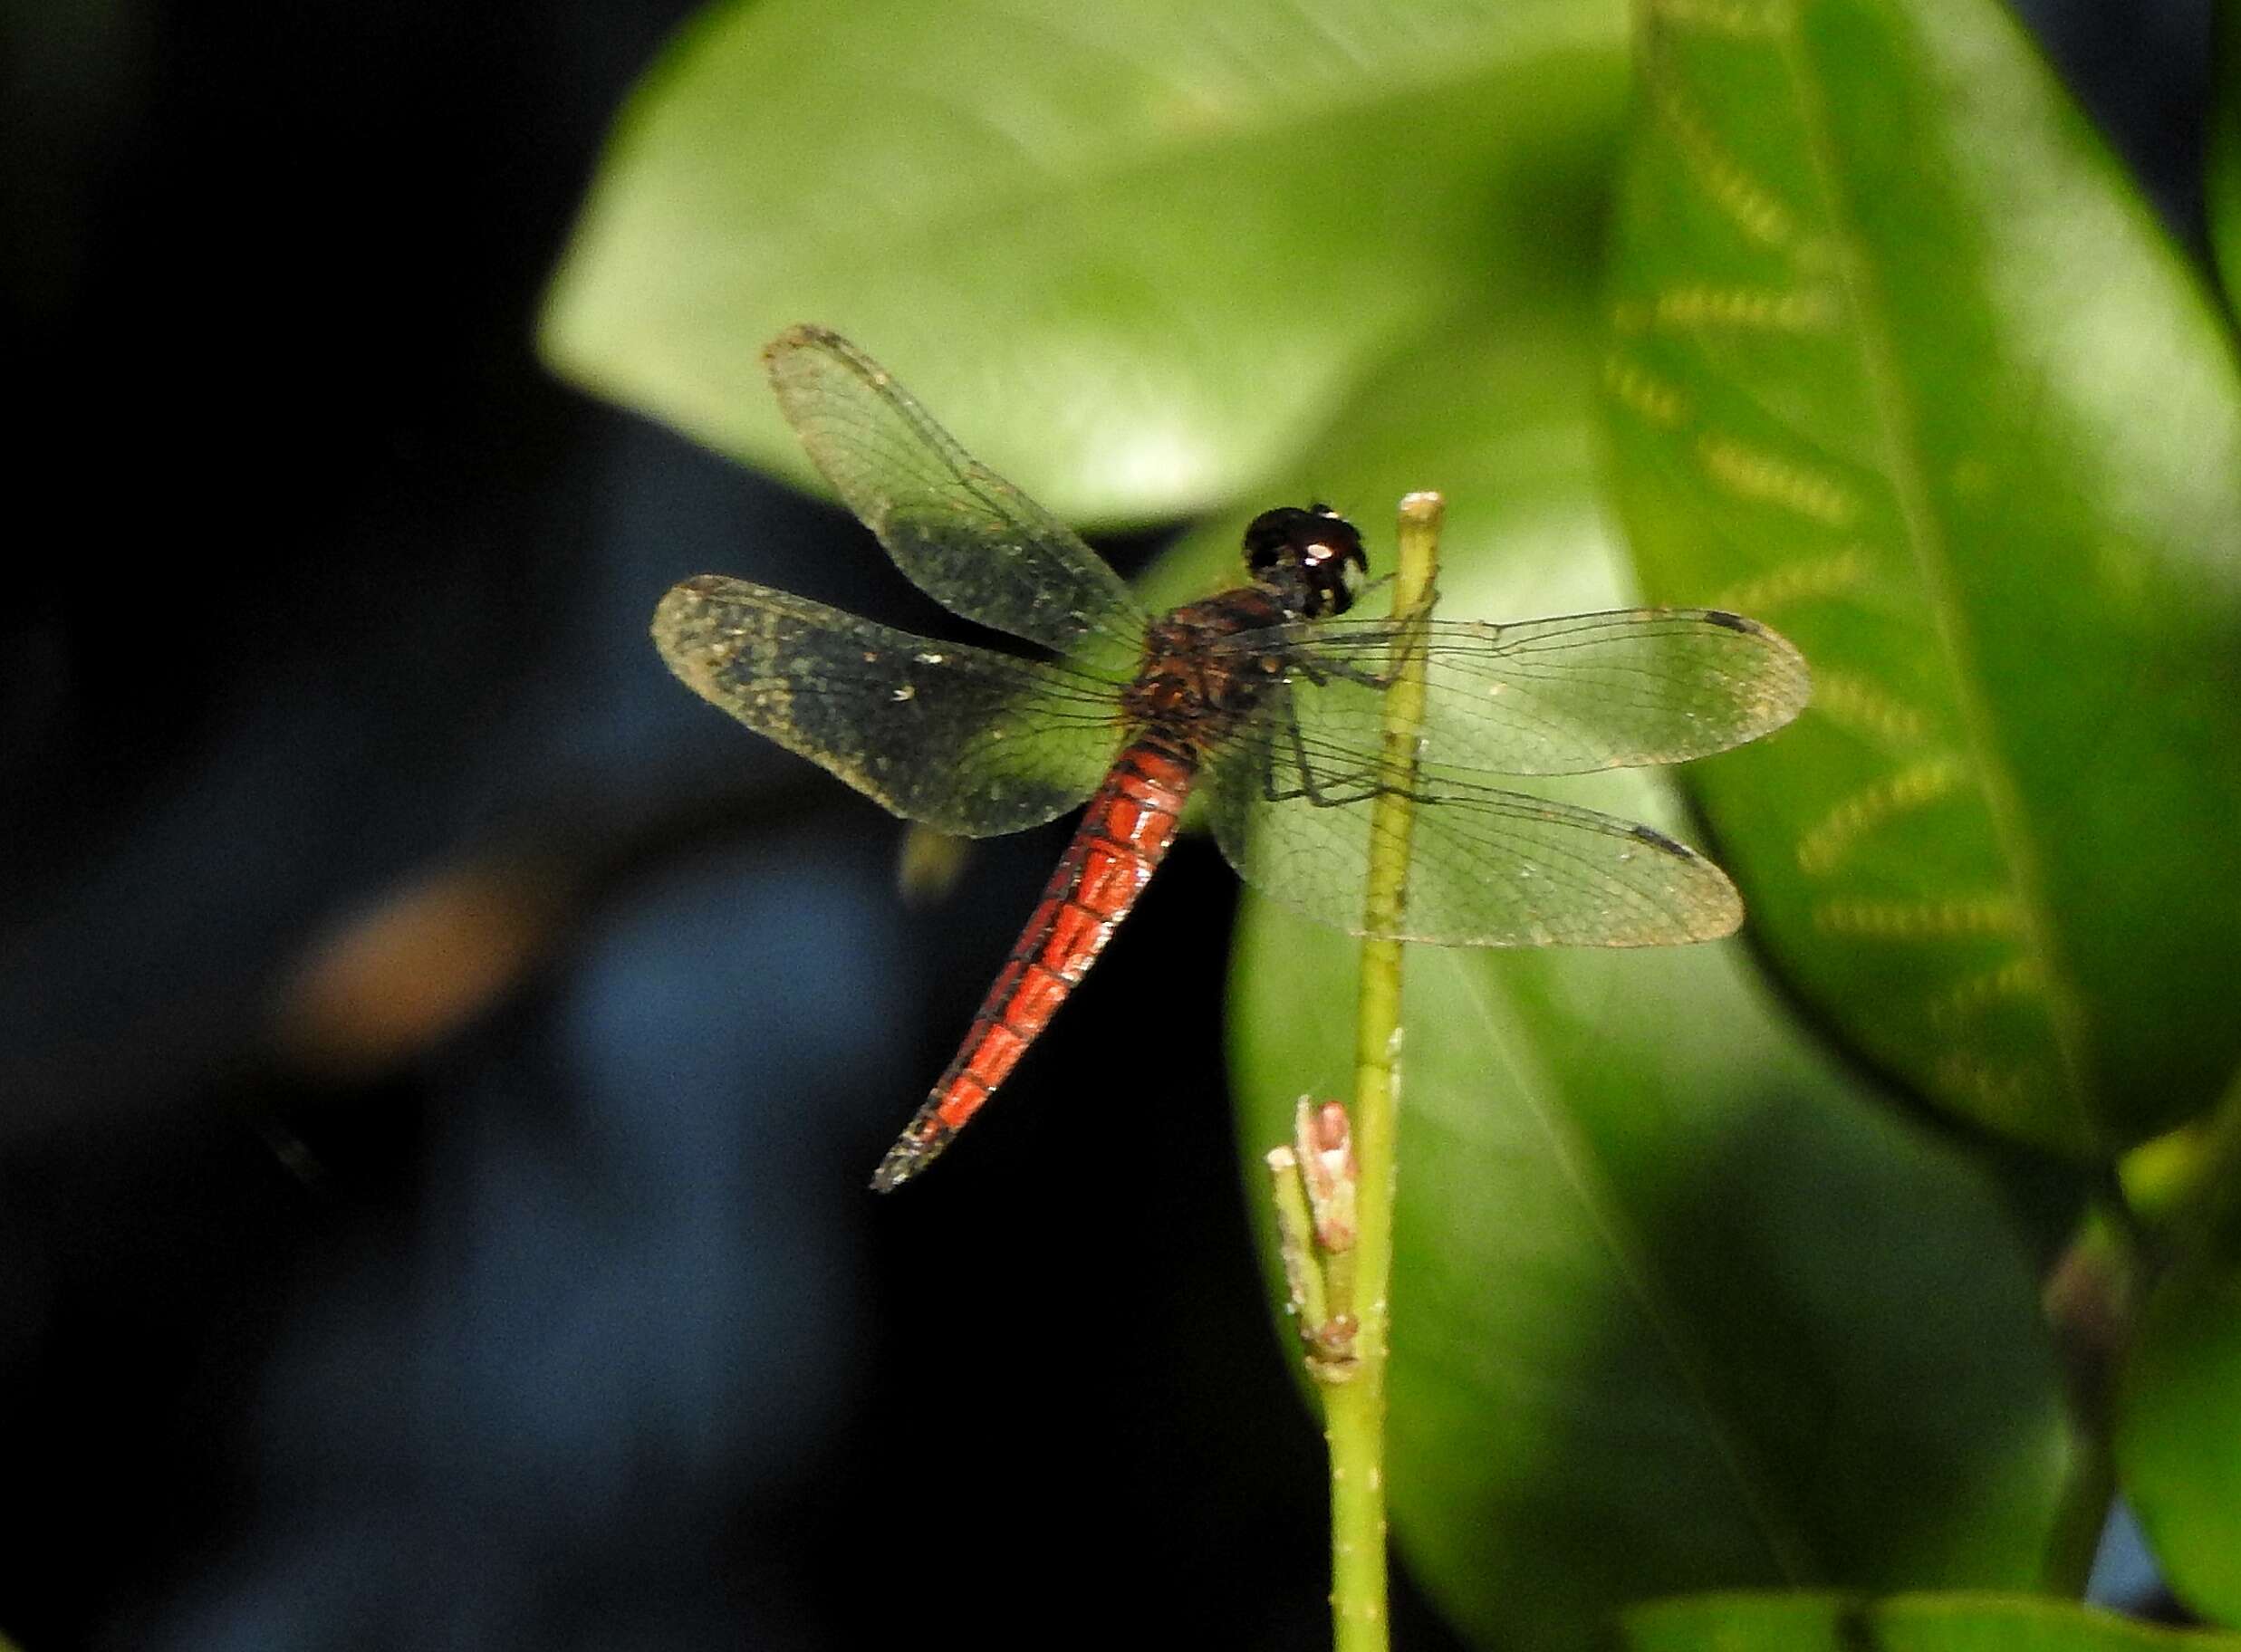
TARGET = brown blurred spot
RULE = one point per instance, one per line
(390, 982)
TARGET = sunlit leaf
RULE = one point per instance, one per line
(1140, 251)
(1902, 365)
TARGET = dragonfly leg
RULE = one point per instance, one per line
(1327, 794)
(1337, 792)
(1323, 672)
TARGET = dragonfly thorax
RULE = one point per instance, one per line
(1190, 687)
(1312, 560)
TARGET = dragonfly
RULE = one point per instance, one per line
(1264, 701)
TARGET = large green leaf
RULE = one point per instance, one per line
(1140, 251)
(1675, 1306)
(1903, 366)
(1921, 1623)
(2178, 1424)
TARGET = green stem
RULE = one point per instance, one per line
(1354, 1411)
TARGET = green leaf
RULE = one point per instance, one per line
(2178, 1421)
(1139, 251)
(1921, 1623)
(1903, 366)
(1675, 1306)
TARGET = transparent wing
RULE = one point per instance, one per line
(1488, 867)
(1551, 696)
(964, 535)
(969, 741)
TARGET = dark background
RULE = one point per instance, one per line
(440, 1059)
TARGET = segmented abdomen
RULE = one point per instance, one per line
(1123, 836)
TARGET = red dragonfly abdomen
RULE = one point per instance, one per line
(1123, 836)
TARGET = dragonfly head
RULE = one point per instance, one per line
(1312, 559)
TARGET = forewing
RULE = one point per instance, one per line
(1624, 689)
(969, 741)
(964, 535)
(1486, 868)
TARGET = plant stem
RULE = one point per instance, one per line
(1354, 1411)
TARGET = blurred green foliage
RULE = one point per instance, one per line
(1140, 253)
(1835, 312)
(1920, 1623)
(2177, 1426)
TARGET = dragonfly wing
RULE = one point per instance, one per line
(964, 535)
(967, 740)
(1552, 696)
(1488, 867)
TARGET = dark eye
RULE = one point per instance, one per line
(1271, 536)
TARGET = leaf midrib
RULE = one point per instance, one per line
(1905, 468)
(1577, 1163)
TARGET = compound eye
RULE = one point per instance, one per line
(1271, 538)
(1312, 558)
